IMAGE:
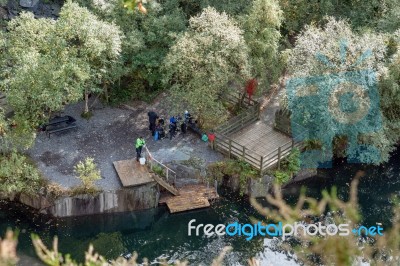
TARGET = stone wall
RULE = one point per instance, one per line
(128, 199)
(260, 187)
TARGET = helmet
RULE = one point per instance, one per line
(186, 112)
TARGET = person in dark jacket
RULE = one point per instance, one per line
(152, 121)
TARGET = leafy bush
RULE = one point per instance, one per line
(88, 173)
(17, 174)
(158, 170)
(233, 168)
(281, 177)
(55, 190)
(289, 167)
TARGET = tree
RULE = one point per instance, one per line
(360, 14)
(40, 75)
(261, 32)
(88, 173)
(335, 54)
(203, 61)
(49, 64)
(148, 38)
(18, 175)
(95, 43)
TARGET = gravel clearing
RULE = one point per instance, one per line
(109, 135)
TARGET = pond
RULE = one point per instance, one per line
(156, 234)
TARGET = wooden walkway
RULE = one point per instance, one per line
(190, 197)
(260, 138)
(186, 198)
(251, 136)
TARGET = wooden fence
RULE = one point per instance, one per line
(233, 149)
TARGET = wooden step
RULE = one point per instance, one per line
(184, 203)
(166, 185)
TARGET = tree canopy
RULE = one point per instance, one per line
(203, 61)
(335, 54)
(50, 63)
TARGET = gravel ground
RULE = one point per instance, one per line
(109, 135)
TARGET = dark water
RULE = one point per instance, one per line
(156, 234)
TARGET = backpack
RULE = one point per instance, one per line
(204, 138)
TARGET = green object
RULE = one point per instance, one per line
(139, 142)
(204, 138)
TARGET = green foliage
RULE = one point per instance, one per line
(233, 169)
(50, 63)
(88, 173)
(146, 43)
(360, 14)
(289, 167)
(327, 41)
(261, 32)
(158, 170)
(17, 175)
(201, 64)
(281, 177)
(15, 134)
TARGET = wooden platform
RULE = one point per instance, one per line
(260, 138)
(131, 173)
(190, 197)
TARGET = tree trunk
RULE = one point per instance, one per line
(105, 89)
(86, 102)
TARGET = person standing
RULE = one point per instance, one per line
(172, 127)
(139, 145)
(152, 121)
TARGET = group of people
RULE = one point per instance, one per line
(176, 123)
(157, 128)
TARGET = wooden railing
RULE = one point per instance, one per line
(238, 98)
(245, 118)
(227, 145)
(233, 149)
(275, 157)
(168, 174)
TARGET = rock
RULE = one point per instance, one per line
(28, 3)
(259, 187)
(3, 15)
(123, 200)
(55, 9)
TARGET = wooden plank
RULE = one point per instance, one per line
(177, 204)
(190, 197)
(165, 185)
(131, 173)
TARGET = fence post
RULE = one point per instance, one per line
(279, 158)
(230, 148)
(167, 173)
(261, 165)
